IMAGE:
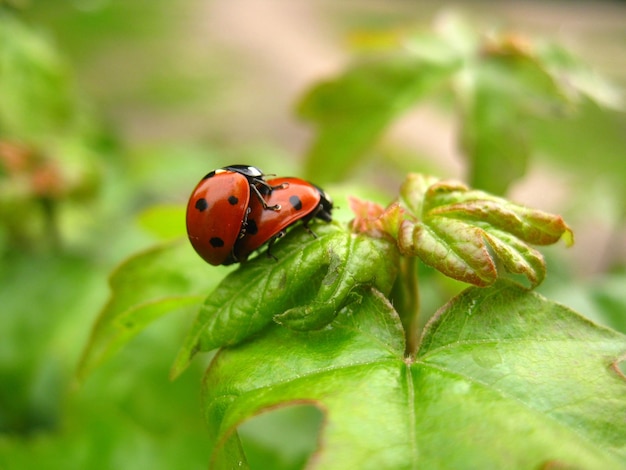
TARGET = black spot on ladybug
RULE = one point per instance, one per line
(251, 228)
(209, 175)
(232, 200)
(202, 204)
(216, 242)
(295, 202)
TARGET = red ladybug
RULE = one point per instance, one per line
(298, 200)
(218, 208)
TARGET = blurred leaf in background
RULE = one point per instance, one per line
(49, 141)
(499, 83)
(71, 186)
(69, 194)
(48, 162)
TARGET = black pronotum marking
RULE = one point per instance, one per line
(295, 202)
(232, 200)
(202, 204)
(216, 242)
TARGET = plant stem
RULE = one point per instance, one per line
(405, 297)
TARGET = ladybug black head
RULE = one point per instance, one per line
(246, 170)
(326, 205)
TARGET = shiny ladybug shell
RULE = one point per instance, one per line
(298, 199)
(217, 210)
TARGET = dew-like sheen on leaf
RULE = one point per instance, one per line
(504, 379)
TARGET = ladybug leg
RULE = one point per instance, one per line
(280, 186)
(244, 223)
(305, 224)
(258, 194)
(279, 235)
(318, 212)
(266, 188)
(232, 259)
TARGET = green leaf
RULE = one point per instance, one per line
(504, 379)
(495, 139)
(592, 133)
(145, 287)
(351, 111)
(312, 280)
(508, 83)
(464, 233)
(576, 79)
(36, 97)
(500, 91)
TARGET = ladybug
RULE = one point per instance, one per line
(298, 199)
(218, 208)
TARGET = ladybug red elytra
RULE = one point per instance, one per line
(298, 200)
(218, 207)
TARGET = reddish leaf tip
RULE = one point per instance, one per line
(372, 219)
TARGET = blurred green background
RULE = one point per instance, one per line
(109, 108)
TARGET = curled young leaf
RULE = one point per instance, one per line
(464, 233)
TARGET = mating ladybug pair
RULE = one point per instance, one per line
(234, 211)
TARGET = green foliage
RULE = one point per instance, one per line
(48, 140)
(495, 347)
(352, 111)
(499, 83)
(503, 378)
(145, 287)
(304, 290)
(58, 237)
(32, 77)
(336, 335)
(458, 231)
